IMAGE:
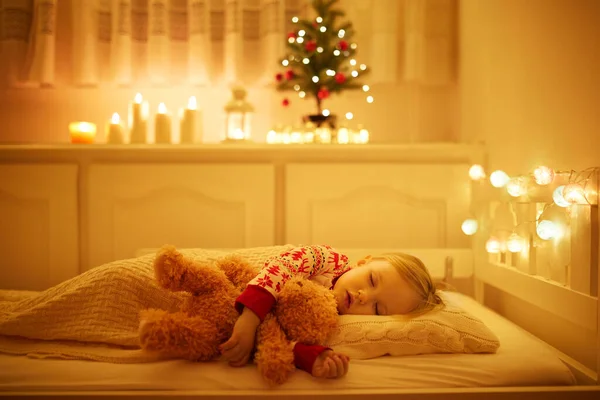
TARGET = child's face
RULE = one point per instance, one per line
(375, 288)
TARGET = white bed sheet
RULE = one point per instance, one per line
(521, 361)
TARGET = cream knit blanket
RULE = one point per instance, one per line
(95, 315)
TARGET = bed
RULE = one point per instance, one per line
(541, 302)
(523, 364)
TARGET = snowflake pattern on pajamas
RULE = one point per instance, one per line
(317, 261)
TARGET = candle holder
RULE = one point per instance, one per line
(82, 132)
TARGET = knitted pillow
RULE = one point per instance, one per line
(449, 330)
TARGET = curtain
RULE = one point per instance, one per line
(92, 43)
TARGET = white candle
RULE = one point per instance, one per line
(187, 123)
(138, 120)
(114, 130)
(363, 135)
(162, 125)
(271, 137)
(82, 132)
(238, 134)
(343, 136)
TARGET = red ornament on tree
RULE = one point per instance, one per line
(289, 74)
(343, 45)
(279, 77)
(292, 35)
(285, 102)
(310, 46)
(323, 93)
(340, 78)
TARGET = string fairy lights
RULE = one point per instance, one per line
(554, 192)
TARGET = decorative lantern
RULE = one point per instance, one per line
(238, 114)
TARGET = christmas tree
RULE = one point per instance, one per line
(320, 57)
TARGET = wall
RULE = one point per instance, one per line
(530, 81)
(402, 111)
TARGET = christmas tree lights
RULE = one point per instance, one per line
(320, 57)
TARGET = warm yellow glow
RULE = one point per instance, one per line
(547, 230)
(469, 226)
(238, 134)
(192, 104)
(499, 178)
(295, 20)
(336, 52)
(476, 172)
(543, 175)
(492, 245)
(558, 197)
(354, 74)
(349, 115)
(291, 40)
(353, 62)
(366, 88)
(300, 40)
(82, 127)
(369, 99)
(515, 243)
(115, 119)
(326, 112)
(315, 79)
(363, 67)
(343, 136)
(271, 136)
(319, 20)
(82, 132)
(285, 63)
(363, 136)
(301, 94)
(162, 109)
(301, 32)
(574, 194)
(516, 187)
(138, 98)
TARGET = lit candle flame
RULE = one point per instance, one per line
(115, 119)
(192, 104)
(138, 98)
(87, 127)
(162, 109)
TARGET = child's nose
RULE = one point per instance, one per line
(363, 297)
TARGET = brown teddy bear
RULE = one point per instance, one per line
(305, 312)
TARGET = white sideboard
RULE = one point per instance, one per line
(69, 208)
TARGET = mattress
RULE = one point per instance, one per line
(522, 360)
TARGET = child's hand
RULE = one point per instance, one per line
(237, 349)
(330, 365)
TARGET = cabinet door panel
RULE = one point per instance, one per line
(135, 206)
(39, 235)
(377, 205)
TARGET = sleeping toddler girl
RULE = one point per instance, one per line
(389, 284)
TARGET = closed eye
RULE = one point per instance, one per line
(372, 281)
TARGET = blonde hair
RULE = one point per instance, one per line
(417, 276)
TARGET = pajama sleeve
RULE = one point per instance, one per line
(320, 263)
(306, 354)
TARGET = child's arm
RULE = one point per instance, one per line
(320, 361)
(239, 346)
(322, 263)
(319, 262)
